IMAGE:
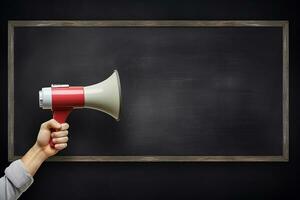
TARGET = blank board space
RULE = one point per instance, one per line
(186, 91)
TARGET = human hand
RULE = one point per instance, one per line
(42, 150)
(59, 137)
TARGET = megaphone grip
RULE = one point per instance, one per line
(60, 115)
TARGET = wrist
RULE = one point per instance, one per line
(33, 159)
(39, 152)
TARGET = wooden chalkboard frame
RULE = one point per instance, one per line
(158, 23)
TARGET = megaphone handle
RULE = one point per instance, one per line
(60, 116)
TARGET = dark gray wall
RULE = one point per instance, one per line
(159, 180)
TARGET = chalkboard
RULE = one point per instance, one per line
(191, 90)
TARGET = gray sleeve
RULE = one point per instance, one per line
(15, 181)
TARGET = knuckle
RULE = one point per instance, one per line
(66, 126)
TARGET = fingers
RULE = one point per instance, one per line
(60, 140)
(59, 134)
(60, 146)
(51, 124)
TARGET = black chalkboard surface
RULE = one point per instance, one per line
(188, 92)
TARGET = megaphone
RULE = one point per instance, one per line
(62, 98)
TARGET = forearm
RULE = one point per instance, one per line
(33, 159)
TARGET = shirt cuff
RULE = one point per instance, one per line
(18, 175)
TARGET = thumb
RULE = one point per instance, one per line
(52, 124)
